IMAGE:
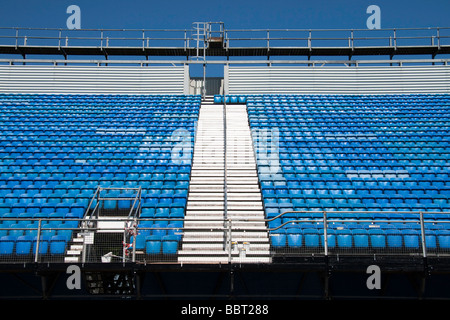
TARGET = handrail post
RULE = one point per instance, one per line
(309, 40)
(422, 231)
(325, 234)
(395, 39)
(352, 39)
(229, 240)
(135, 233)
(38, 240)
(17, 36)
(439, 38)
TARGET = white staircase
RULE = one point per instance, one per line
(222, 191)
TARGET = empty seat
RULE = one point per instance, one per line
(344, 238)
(153, 244)
(443, 237)
(377, 238)
(294, 237)
(169, 244)
(278, 238)
(58, 245)
(360, 238)
(23, 245)
(394, 238)
(311, 237)
(7, 245)
(411, 238)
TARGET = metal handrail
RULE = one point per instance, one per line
(314, 63)
(324, 219)
(435, 33)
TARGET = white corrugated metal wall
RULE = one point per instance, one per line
(94, 79)
(337, 80)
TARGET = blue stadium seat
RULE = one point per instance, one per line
(7, 245)
(294, 237)
(169, 244)
(377, 238)
(411, 238)
(58, 245)
(394, 238)
(278, 238)
(23, 245)
(43, 244)
(360, 238)
(153, 244)
(443, 237)
(311, 237)
(344, 238)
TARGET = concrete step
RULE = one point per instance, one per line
(74, 259)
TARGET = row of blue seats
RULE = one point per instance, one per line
(353, 204)
(84, 199)
(436, 178)
(306, 183)
(349, 97)
(369, 174)
(357, 155)
(156, 188)
(364, 164)
(340, 192)
(329, 122)
(86, 177)
(160, 187)
(156, 244)
(288, 166)
(26, 245)
(70, 178)
(301, 198)
(116, 167)
(361, 239)
(320, 125)
(15, 210)
(30, 228)
(115, 129)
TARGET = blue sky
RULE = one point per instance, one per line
(236, 14)
(311, 14)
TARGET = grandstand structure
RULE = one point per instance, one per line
(285, 178)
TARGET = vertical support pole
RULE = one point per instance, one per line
(135, 233)
(38, 241)
(422, 233)
(204, 79)
(352, 40)
(325, 234)
(226, 79)
(17, 36)
(83, 253)
(438, 39)
(309, 40)
(229, 240)
(395, 39)
(124, 247)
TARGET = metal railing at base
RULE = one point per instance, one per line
(418, 234)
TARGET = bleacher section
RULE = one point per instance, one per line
(55, 150)
(354, 155)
